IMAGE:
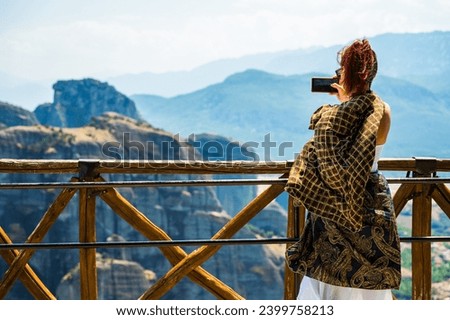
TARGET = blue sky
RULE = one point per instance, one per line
(49, 39)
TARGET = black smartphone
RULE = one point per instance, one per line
(323, 84)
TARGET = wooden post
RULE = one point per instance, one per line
(421, 227)
(296, 223)
(88, 267)
(421, 251)
(87, 232)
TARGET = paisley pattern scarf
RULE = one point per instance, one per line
(367, 259)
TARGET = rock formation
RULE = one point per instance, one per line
(77, 101)
(117, 280)
(15, 116)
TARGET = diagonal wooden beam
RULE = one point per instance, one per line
(174, 254)
(37, 235)
(199, 256)
(441, 194)
(28, 277)
(402, 196)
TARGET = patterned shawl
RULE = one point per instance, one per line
(329, 176)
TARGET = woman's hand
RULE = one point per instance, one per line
(341, 93)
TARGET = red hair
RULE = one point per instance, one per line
(360, 66)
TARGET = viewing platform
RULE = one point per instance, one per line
(421, 183)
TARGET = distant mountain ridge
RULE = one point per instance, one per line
(417, 57)
(263, 109)
(421, 58)
(15, 116)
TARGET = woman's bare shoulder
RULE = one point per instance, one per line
(385, 125)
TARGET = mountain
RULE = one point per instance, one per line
(115, 276)
(251, 107)
(179, 82)
(77, 101)
(421, 58)
(270, 113)
(15, 116)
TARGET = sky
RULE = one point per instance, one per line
(56, 39)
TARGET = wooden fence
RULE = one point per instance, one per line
(420, 185)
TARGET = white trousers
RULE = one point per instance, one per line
(311, 289)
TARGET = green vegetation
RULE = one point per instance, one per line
(439, 273)
(404, 293)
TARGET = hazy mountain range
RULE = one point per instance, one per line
(265, 99)
(262, 109)
(422, 58)
(270, 94)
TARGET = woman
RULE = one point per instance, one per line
(350, 247)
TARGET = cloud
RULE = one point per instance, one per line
(157, 36)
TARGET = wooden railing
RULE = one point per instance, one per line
(421, 185)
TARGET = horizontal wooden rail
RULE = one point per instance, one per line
(145, 167)
(185, 166)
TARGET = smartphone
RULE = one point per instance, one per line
(323, 84)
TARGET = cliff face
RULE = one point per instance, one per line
(119, 279)
(183, 212)
(77, 101)
(15, 116)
